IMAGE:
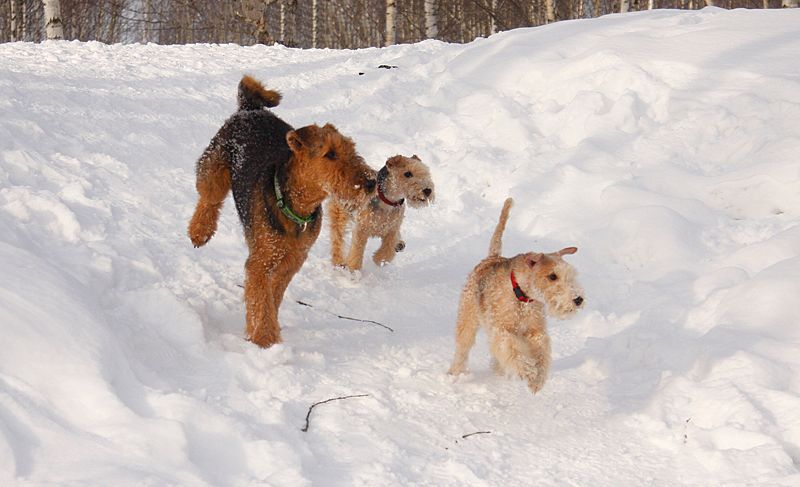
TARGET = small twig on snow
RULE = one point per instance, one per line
(308, 415)
(342, 317)
(476, 433)
(348, 317)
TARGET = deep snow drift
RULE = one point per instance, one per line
(664, 145)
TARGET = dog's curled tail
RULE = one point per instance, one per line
(253, 95)
(497, 239)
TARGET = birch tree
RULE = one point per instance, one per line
(493, 17)
(391, 13)
(790, 4)
(549, 11)
(52, 20)
(431, 19)
(314, 24)
(624, 6)
(15, 7)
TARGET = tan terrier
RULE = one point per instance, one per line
(280, 177)
(509, 297)
(401, 179)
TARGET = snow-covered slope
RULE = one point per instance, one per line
(665, 145)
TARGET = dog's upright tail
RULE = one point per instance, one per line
(497, 239)
(253, 95)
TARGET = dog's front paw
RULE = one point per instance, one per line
(401, 246)
(200, 238)
(456, 370)
(201, 230)
(536, 384)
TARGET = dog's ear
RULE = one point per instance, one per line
(415, 157)
(295, 141)
(394, 161)
(303, 138)
(531, 259)
(568, 250)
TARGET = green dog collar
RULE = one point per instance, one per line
(303, 222)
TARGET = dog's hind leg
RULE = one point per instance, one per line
(283, 274)
(358, 242)
(466, 329)
(213, 185)
(261, 313)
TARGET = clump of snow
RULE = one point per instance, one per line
(664, 145)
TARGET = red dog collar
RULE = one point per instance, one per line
(381, 178)
(518, 291)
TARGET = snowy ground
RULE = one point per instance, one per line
(665, 145)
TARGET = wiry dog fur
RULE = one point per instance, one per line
(517, 331)
(246, 154)
(402, 180)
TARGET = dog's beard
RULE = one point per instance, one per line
(415, 202)
(562, 308)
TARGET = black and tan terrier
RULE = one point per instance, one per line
(280, 177)
(401, 181)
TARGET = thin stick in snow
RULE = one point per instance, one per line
(308, 415)
(341, 316)
(476, 433)
(349, 318)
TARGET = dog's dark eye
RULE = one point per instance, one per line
(552, 277)
(331, 154)
(408, 174)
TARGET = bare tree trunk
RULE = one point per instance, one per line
(24, 27)
(98, 21)
(254, 12)
(493, 17)
(550, 11)
(314, 24)
(391, 12)
(148, 18)
(790, 4)
(14, 13)
(431, 20)
(624, 6)
(52, 20)
(112, 28)
(291, 23)
(282, 32)
(710, 3)
(651, 4)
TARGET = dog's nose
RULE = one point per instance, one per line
(427, 191)
(578, 301)
(369, 185)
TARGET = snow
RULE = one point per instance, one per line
(664, 145)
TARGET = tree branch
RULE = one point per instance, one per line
(308, 415)
(348, 317)
(476, 433)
